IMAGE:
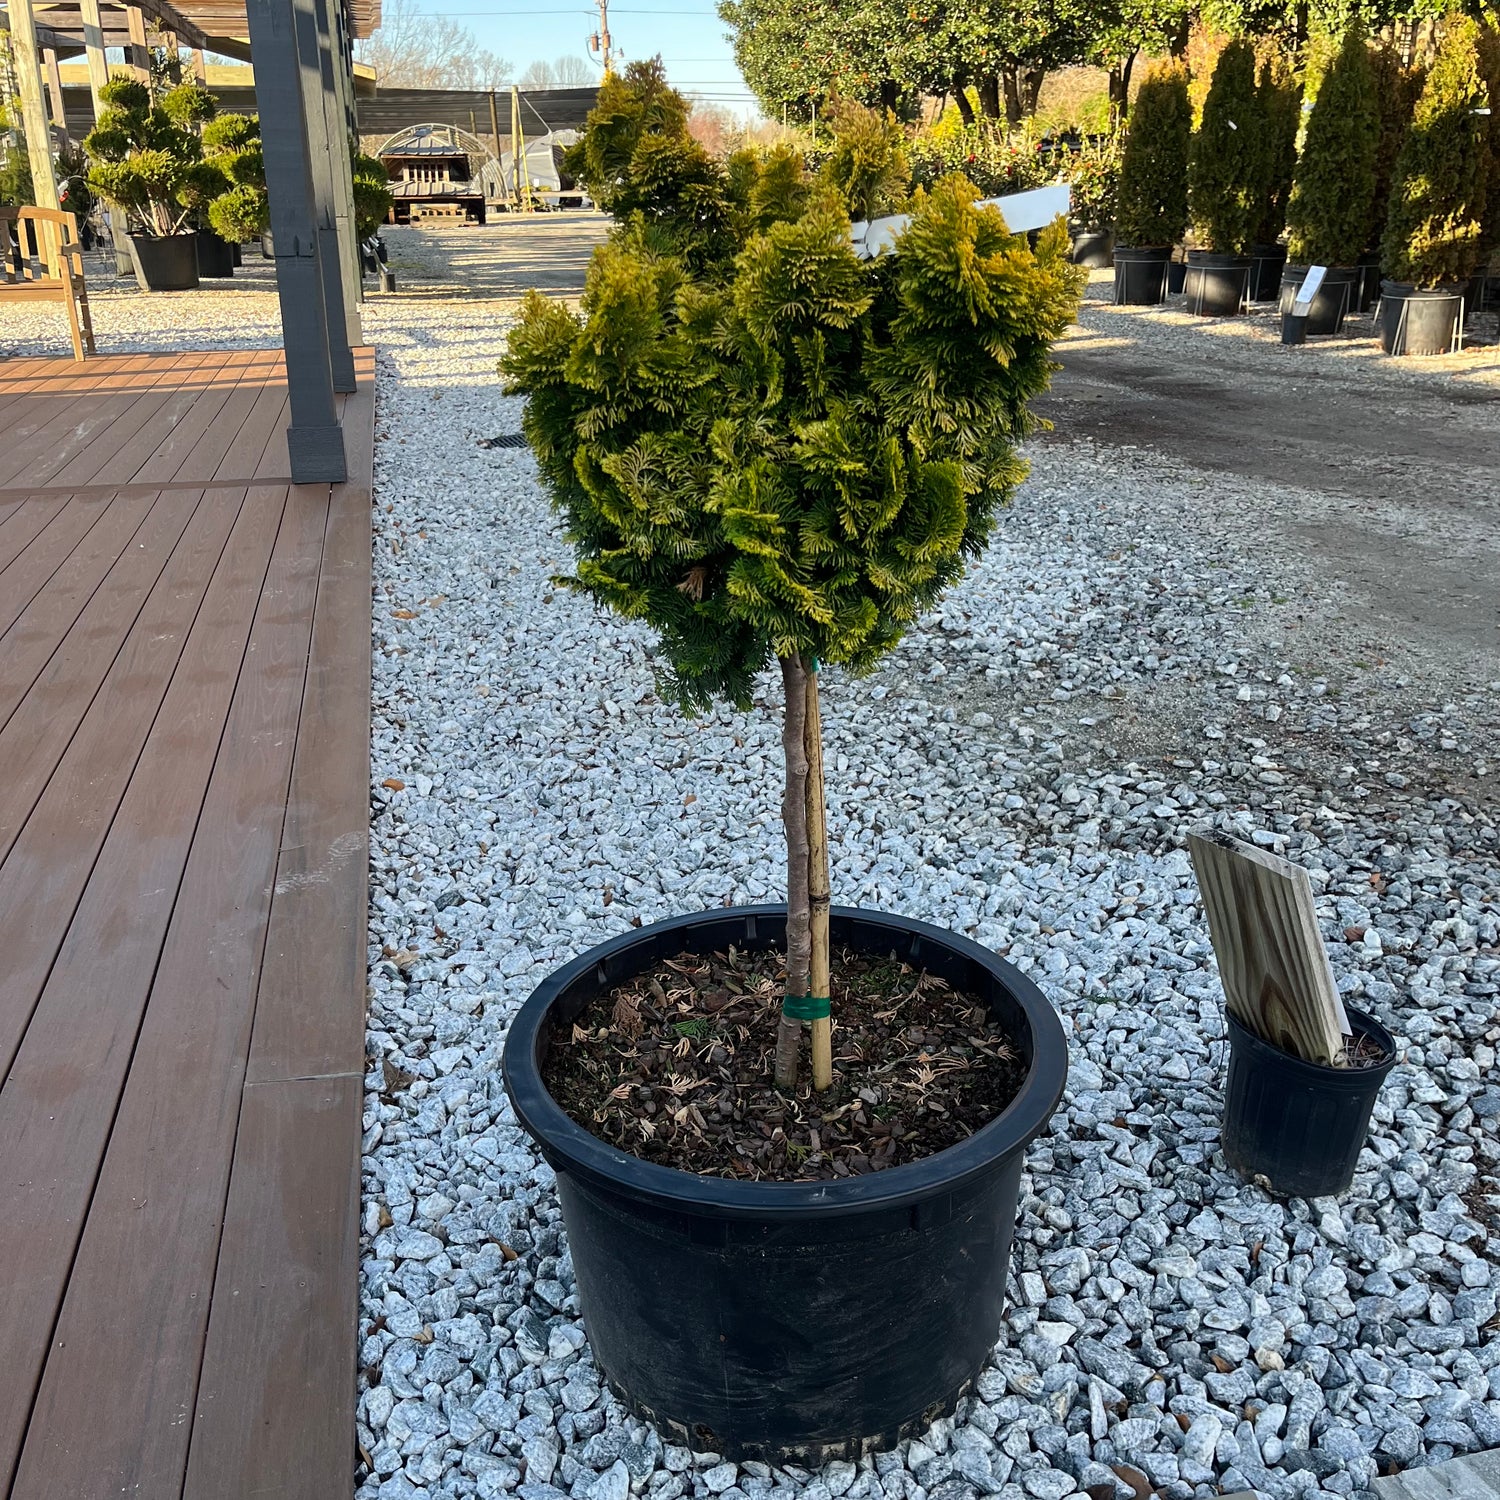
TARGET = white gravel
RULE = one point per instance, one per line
(1120, 668)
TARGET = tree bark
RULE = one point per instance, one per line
(820, 966)
(1012, 95)
(989, 97)
(798, 908)
(1035, 78)
(965, 109)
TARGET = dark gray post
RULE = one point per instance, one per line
(341, 126)
(341, 180)
(325, 220)
(315, 441)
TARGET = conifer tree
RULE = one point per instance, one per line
(1489, 67)
(1280, 99)
(1227, 162)
(773, 452)
(1153, 207)
(1335, 183)
(1396, 90)
(1434, 233)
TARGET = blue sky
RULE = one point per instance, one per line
(688, 34)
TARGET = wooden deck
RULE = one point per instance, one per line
(184, 744)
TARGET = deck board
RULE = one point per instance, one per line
(184, 718)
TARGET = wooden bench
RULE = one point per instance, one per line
(420, 211)
(41, 259)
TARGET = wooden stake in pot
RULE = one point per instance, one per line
(818, 889)
(798, 914)
(1275, 970)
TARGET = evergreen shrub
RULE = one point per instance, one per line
(1280, 99)
(1226, 165)
(1153, 207)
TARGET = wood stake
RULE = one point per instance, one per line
(1277, 979)
(819, 976)
(794, 816)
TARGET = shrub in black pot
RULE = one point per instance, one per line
(1280, 98)
(1224, 185)
(1396, 90)
(1094, 176)
(242, 210)
(1152, 210)
(751, 435)
(1434, 232)
(1328, 215)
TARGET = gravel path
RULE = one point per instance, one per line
(1123, 666)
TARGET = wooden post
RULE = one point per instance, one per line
(57, 111)
(315, 441)
(341, 183)
(33, 110)
(200, 68)
(515, 134)
(137, 54)
(93, 51)
(1277, 979)
(820, 970)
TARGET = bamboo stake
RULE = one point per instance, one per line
(818, 886)
(794, 816)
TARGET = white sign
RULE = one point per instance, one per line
(1034, 209)
(1312, 284)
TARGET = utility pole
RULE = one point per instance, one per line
(600, 42)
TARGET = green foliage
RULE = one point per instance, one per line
(372, 192)
(15, 174)
(1153, 207)
(240, 210)
(1396, 89)
(1329, 212)
(996, 160)
(147, 157)
(1227, 162)
(1094, 175)
(1489, 67)
(1280, 101)
(1434, 232)
(866, 164)
(791, 451)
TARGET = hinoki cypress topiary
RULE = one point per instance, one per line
(1226, 165)
(772, 451)
(1335, 183)
(1434, 233)
(1153, 208)
(1280, 100)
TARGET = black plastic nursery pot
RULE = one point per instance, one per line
(1216, 284)
(1266, 263)
(1297, 1126)
(1335, 299)
(1176, 275)
(1141, 275)
(790, 1321)
(215, 255)
(168, 263)
(1416, 320)
(1369, 282)
(1093, 249)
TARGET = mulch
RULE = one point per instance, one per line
(676, 1067)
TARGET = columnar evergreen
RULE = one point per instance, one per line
(1226, 165)
(1396, 90)
(1153, 206)
(1280, 100)
(770, 450)
(1489, 67)
(1335, 184)
(1435, 231)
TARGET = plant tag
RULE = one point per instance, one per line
(1311, 285)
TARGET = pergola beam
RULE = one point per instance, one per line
(93, 51)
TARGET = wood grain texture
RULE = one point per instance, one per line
(1277, 979)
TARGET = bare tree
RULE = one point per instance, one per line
(564, 73)
(414, 50)
(714, 128)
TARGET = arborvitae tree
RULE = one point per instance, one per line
(1489, 67)
(1434, 233)
(1335, 183)
(1227, 162)
(783, 454)
(1153, 207)
(1396, 90)
(1280, 99)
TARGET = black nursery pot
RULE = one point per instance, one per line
(1298, 1125)
(166, 263)
(215, 255)
(1416, 320)
(1266, 263)
(1336, 298)
(1094, 249)
(1216, 284)
(1141, 275)
(790, 1321)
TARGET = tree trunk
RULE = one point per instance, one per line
(890, 94)
(989, 97)
(1012, 95)
(965, 109)
(1035, 78)
(798, 907)
(820, 967)
(1119, 90)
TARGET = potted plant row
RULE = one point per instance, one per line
(776, 455)
(1094, 176)
(1435, 230)
(1152, 212)
(1279, 101)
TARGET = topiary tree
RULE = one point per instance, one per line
(1280, 99)
(1435, 230)
(145, 155)
(1396, 89)
(1226, 166)
(775, 452)
(1153, 207)
(372, 191)
(1329, 212)
(242, 210)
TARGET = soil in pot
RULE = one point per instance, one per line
(675, 1066)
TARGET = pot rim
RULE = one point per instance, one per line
(582, 1153)
(1351, 1079)
(1409, 290)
